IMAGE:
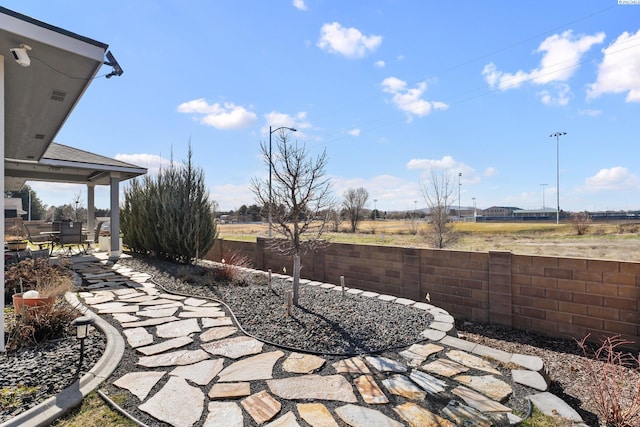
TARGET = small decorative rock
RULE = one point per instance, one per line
(261, 406)
(332, 387)
(445, 367)
(137, 337)
(417, 416)
(487, 385)
(176, 358)
(473, 362)
(224, 414)
(298, 363)
(354, 365)
(369, 390)
(179, 328)
(258, 367)
(218, 333)
(177, 403)
(358, 416)
(200, 373)
(384, 364)
(403, 386)
(165, 345)
(139, 383)
(230, 390)
(316, 415)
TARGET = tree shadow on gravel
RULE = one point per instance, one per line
(504, 333)
(589, 418)
(355, 345)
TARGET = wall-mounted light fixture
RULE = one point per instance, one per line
(21, 55)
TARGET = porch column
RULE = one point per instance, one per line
(2, 130)
(91, 211)
(116, 250)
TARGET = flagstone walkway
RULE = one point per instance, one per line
(195, 367)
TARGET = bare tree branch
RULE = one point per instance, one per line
(438, 193)
(353, 203)
(299, 199)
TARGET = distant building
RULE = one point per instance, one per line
(13, 207)
(499, 211)
(535, 213)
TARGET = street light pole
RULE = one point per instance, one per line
(557, 135)
(375, 209)
(543, 208)
(270, 170)
(459, 186)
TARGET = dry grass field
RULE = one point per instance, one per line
(603, 241)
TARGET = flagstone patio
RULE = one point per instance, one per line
(196, 367)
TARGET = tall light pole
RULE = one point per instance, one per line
(271, 167)
(475, 212)
(415, 208)
(375, 209)
(543, 207)
(557, 135)
(459, 186)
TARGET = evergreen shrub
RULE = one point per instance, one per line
(169, 215)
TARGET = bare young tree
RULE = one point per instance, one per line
(353, 203)
(335, 219)
(299, 198)
(438, 193)
(580, 221)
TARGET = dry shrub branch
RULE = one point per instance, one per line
(616, 396)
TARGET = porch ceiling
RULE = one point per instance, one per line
(39, 98)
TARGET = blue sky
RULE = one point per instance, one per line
(391, 89)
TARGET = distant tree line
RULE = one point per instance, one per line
(40, 211)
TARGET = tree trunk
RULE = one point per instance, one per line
(296, 278)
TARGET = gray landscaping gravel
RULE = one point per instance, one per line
(325, 321)
(50, 367)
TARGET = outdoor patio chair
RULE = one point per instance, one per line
(71, 235)
(39, 240)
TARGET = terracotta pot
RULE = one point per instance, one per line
(31, 303)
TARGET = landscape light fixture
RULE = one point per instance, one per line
(557, 135)
(270, 169)
(82, 324)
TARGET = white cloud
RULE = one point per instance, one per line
(392, 193)
(231, 196)
(298, 122)
(350, 42)
(559, 95)
(560, 60)
(617, 178)
(379, 64)
(490, 171)
(354, 132)
(226, 116)
(410, 100)
(449, 164)
(299, 4)
(589, 112)
(152, 162)
(619, 70)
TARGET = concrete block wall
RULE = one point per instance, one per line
(560, 297)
